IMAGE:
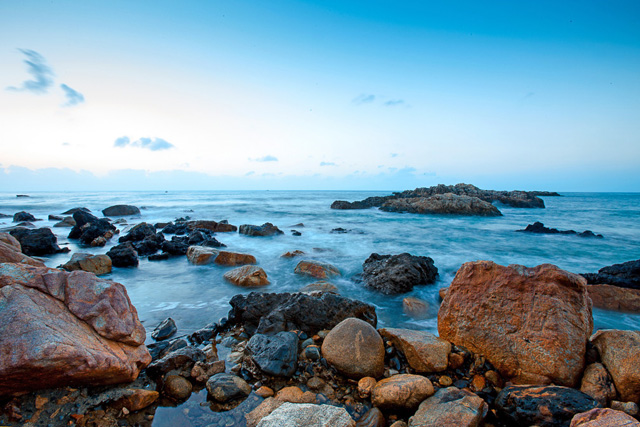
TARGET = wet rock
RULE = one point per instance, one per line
(549, 406)
(619, 353)
(401, 392)
(74, 210)
(175, 246)
(137, 399)
(161, 348)
(226, 387)
(23, 216)
(88, 228)
(121, 210)
(295, 394)
(123, 255)
(233, 259)
(372, 418)
(415, 307)
(138, 233)
(442, 204)
(159, 257)
(603, 417)
(450, 407)
(247, 276)
(96, 264)
(365, 386)
(265, 408)
(181, 360)
(202, 371)
(275, 355)
(597, 383)
(393, 274)
(216, 227)
(66, 222)
(292, 254)
(320, 286)
(54, 218)
(201, 255)
(615, 298)
(40, 241)
(266, 229)
(629, 408)
(355, 349)
(425, 352)
(539, 228)
(177, 387)
(302, 414)
(625, 275)
(265, 392)
(11, 251)
(270, 313)
(166, 329)
(511, 315)
(317, 269)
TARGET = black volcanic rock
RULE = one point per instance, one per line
(539, 228)
(123, 255)
(23, 216)
(88, 227)
(138, 233)
(625, 275)
(395, 274)
(40, 241)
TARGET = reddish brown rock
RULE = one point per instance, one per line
(425, 352)
(317, 269)
(177, 387)
(532, 324)
(136, 399)
(597, 383)
(403, 391)
(218, 227)
(603, 417)
(11, 251)
(365, 386)
(450, 407)
(294, 394)
(247, 276)
(233, 259)
(615, 298)
(201, 255)
(619, 352)
(96, 264)
(292, 254)
(320, 286)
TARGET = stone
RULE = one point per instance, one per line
(513, 316)
(233, 259)
(266, 229)
(450, 407)
(161, 348)
(415, 307)
(292, 254)
(121, 210)
(138, 233)
(88, 228)
(320, 286)
(425, 352)
(629, 408)
(603, 417)
(38, 242)
(201, 255)
(619, 353)
(166, 329)
(226, 387)
(216, 227)
(625, 275)
(539, 228)
(394, 274)
(544, 406)
(365, 386)
(401, 392)
(265, 408)
(265, 392)
(96, 264)
(182, 360)
(159, 257)
(137, 399)
(11, 252)
(202, 371)
(294, 394)
(274, 355)
(67, 221)
(176, 246)
(54, 218)
(74, 210)
(123, 255)
(270, 313)
(247, 276)
(442, 204)
(23, 216)
(372, 418)
(610, 297)
(65, 328)
(317, 269)
(355, 349)
(301, 414)
(177, 387)
(597, 383)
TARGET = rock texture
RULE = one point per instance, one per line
(89, 228)
(305, 414)
(619, 352)
(603, 417)
(625, 275)
(275, 355)
(597, 383)
(123, 255)
(96, 264)
(539, 228)
(11, 251)
(615, 298)
(201, 255)
(121, 210)
(450, 407)
(247, 276)
(216, 227)
(401, 392)
(266, 229)
(64, 328)
(425, 352)
(233, 259)
(225, 387)
(317, 269)
(532, 324)
(40, 241)
(393, 274)
(442, 204)
(415, 307)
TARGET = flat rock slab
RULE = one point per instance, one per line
(425, 352)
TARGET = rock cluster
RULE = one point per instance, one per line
(539, 228)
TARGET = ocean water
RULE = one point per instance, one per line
(196, 295)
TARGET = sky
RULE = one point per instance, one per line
(353, 95)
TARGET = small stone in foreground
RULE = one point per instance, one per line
(225, 387)
(164, 330)
(450, 407)
(400, 392)
(302, 414)
(247, 276)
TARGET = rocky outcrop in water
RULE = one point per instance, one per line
(40, 241)
(266, 229)
(91, 230)
(96, 264)
(121, 210)
(539, 228)
(625, 275)
(23, 216)
(11, 251)
(394, 274)
(442, 204)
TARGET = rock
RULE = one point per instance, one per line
(54, 218)
(275, 355)
(512, 316)
(292, 254)
(425, 352)
(539, 228)
(138, 233)
(619, 353)
(88, 228)
(365, 386)
(415, 307)
(159, 257)
(40, 241)
(226, 387)
(23, 216)
(233, 259)
(265, 408)
(166, 329)
(121, 210)
(450, 407)
(66, 329)
(597, 383)
(96, 264)
(137, 399)
(266, 229)
(355, 349)
(160, 349)
(74, 210)
(304, 414)
(177, 387)
(372, 418)
(202, 371)
(625, 275)
(442, 204)
(317, 269)
(264, 392)
(201, 255)
(176, 246)
(320, 286)
(615, 298)
(182, 360)
(11, 251)
(66, 222)
(603, 417)
(394, 274)
(629, 408)
(216, 227)
(548, 406)
(201, 238)
(123, 255)
(270, 313)
(294, 394)
(401, 392)
(247, 276)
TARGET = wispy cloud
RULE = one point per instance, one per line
(73, 96)
(123, 141)
(327, 164)
(364, 99)
(394, 155)
(394, 102)
(267, 158)
(41, 72)
(152, 144)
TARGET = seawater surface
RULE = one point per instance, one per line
(197, 295)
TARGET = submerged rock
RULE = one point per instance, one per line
(266, 229)
(393, 274)
(121, 210)
(539, 228)
(317, 269)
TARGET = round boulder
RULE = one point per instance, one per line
(225, 387)
(400, 392)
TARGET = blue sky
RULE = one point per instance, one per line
(375, 95)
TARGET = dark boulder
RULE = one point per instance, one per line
(539, 228)
(161, 348)
(544, 406)
(149, 246)
(266, 229)
(40, 241)
(270, 313)
(181, 360)
(159, 257)
(275, 355)
(367, 203)
(178, 229)
(23, 216)
(74, 210)
(123, 255)
(88, 227)
(224, 387)
(176, 246)
(203, 237)
(164, 330)
(138, 233)
(121, 210)
(394, 274)
(221, 227)
(624, 275)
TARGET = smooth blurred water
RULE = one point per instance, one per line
(197, 295)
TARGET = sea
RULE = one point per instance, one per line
(197, 295)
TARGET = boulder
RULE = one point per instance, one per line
(247, 276)
(372, 418)
(54, 218)
(415, 307)
(539, 228)
(224, 387)
(355, 349)
(123, 255)
(625, 275)
(64, 329)
(603, 417)
(295, 394)
(442, 204)
(320, 286)
(266, 229)
(265, 408)
(216, 227)
(306, 414)
(532, 324)
(11, 251)
(182, 360)
(317, 269)
(201, 237)
(23, 216)
(597, 383)
(88, 228)
(619, 353)
(401, 392)
(166, 329)
(275, 355)
(270, 313)
(67, 221)
(177, 387)
(135, 399)
(74, 210)
(96, 264)
(138, 233)
(121, 210)
(176, 246)
(394, 274)
(40, 241)
(610, 297)
(425, 352)
(450, 407)
(201, 255)
(233, 259)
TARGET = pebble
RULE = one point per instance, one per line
(365, 386)
(478, 383)
(445, 381)
(265, 392)
(177, 387)
(629, 408)
(456, 360)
